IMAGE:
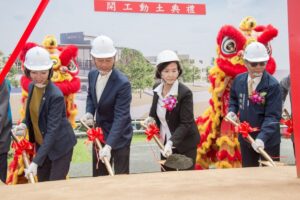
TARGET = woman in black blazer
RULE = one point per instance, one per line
(46, 120)
(172, 109)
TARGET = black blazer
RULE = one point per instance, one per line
(181, 122)
(57, 132)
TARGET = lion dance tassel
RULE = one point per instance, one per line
(16, 167)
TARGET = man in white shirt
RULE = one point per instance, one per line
(108, 102)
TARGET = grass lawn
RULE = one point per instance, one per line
(82, 152)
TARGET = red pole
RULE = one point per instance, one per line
(294, 44)
(39, 11)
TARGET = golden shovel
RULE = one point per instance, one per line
(174, 161)
(98, 143)
(251, 140)
(25, 158)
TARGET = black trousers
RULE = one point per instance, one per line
(250, 157)
(3, 167)
(55, 169)
(119, 161)
(190, 154)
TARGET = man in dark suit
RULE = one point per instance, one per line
(108, 102)
(5, 127)
(256, 97)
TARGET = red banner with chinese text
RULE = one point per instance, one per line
(149, 7)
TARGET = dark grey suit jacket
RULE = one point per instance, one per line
(285, 87)
(57, 132)
(5, 120)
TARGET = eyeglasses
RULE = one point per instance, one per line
(254, 64)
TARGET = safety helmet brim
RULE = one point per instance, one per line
(262, 59)
(105, 55)
(39, 67)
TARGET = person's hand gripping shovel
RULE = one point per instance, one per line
(25, 148)
(174, 161)
(96, 136)
(244, 128)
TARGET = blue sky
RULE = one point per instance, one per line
(149, 33)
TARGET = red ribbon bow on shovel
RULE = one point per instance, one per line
(151, 131)
(289, 124)
(22, 145)
(95, 133)
(244, 128)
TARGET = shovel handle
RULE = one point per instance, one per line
(158, 142)
(106, 161)
(251, 140)
(25, 158)
(262, 152)
(98, 143)
(287, 113)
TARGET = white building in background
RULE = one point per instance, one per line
(83, 42)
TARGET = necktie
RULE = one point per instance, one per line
(250, 86)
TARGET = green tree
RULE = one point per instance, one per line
(11, 76)
(190, 71)
(139, 71)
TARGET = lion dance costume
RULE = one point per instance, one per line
(219, 146)
(65, 71)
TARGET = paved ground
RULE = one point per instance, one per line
(144, 159)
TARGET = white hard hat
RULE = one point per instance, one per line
(166, 56)
(38, 58)
(256, 52)
(103, 47)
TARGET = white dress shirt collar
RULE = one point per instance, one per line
(173, 91)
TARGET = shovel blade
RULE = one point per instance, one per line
(179, 162)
